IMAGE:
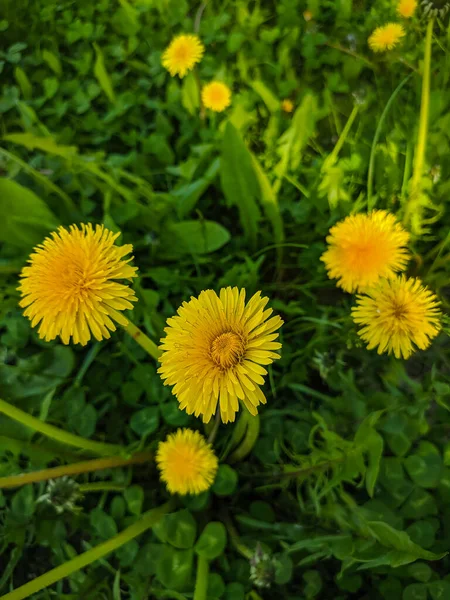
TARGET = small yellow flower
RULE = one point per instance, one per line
(364, 248)
(187, 462)
(70, 285)
(396, 315)
(182, 54)
(287, 105)
(213, 352)
(216, 96)
(386, 37)
(307, 15)
(406, 8)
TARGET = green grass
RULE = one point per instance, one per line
(341, 488)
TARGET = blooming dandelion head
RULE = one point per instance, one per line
(216, 96)
(187, 462)
(406, 8)
(70, 286)
(287, 105)
(214, 351)
(386, 37)
(398, 315)
(182, 54)
(365, 247)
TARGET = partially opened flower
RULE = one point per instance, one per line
(70, 286)
(386, 37)
(406, 8)
(398, 315)
(182, 54)
(187, 462)
(365, 247)
(287, 105)
(214, 351)
(216, 96)
(436, 8)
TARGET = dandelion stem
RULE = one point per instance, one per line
(201, 579)
(148, 520)
(143, 340)
(60, 435)
(215, 428)
(198, 16)
(234, 538)
(331, 159)
(419, 157)
(85, 466)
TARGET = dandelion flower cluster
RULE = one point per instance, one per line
(386, 37)
(214, 351)
(216, 96)
(70, 286)
(187, 462)
(287, 105)
(406, 8)
(182, 54)
(397, 315)
(365, 247)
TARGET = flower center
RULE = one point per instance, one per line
(227, 349)
(182, 53)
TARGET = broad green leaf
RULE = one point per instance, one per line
(239, 181)
(212, 541)
(269, 98)
(26, 219)
(400, 541)
(145, 421)
(294, 140)
(53, 62)
(46, 144)
(439, 590)
(23, 82)
(178, 529)
(226, 481)
(102, 75)
(102, 523)
(134, 496)
(269, 202)
(174, 568)
(193, 237)
(190, 97)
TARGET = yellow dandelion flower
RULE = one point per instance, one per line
(386, 37)
(214, 349)
(365, 247)
(70, 286)
(216, 96)
(307, 15)
(187, 462)
(287, 105)
(182, 54)
(406, 8)
(396, 315)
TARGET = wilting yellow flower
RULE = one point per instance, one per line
(287, 105)
(307, 15)
(69, 286)
(216, 96)
(187, 462)
(214, 349)
(386, 37)
(406, 8)
(182, 54)
(396, 315)
(365, 247)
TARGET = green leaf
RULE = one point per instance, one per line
(374, 446)
(24, 82)
(22, 503)
(193, 237)
(174, 568)
(47, 144)
(26, 219)
(103, 524)
(399, 540)
(212, 541)
(283, 568)
(134, 496)
(190, 98)
(439, 590)
(178, 529)
(269, 98)
(226, 481)
(145, 421)
(426, 470)
(415, 591)
(102, 76)
(216, 586)
(269, 202)
(239, 182)
(234, 591)
(53, 62)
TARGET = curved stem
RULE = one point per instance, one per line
(85, 466)
(143, 340)
(201, 579)
(376, 137)
(331, 159)
(58, 434)
(147, 521)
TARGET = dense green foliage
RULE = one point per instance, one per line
(94, 129)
